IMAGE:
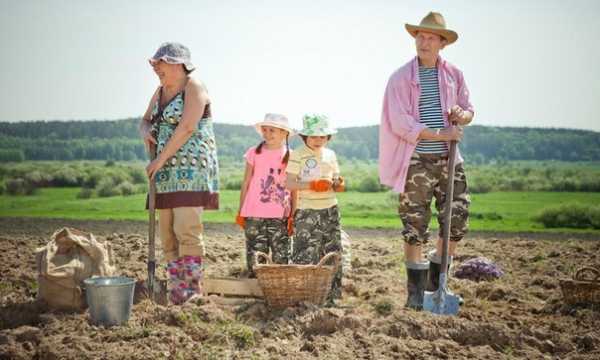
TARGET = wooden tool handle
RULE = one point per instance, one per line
(448, 207)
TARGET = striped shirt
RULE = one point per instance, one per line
(430, 110)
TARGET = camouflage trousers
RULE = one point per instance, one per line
(318, 232)
(264, 235)
(427, 178)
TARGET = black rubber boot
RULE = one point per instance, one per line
(433, 276)
(416, 274)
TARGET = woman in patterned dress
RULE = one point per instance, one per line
(177, 126)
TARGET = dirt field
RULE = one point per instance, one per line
(518, 316)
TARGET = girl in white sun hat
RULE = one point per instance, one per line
(266, 206)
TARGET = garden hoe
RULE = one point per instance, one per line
(442, 301)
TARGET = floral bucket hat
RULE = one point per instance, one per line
(316, 125)
(174, 53)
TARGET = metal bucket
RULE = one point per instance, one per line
(109, 299)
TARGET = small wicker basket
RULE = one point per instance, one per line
(288, 285)
(584, 288)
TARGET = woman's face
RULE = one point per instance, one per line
(273, 136)
(166, 71)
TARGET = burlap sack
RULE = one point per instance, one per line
(70, 257)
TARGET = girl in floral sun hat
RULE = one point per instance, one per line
(313, 170)
(266, 205)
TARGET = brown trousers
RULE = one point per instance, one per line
(180, 231)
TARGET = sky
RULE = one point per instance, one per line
(526, 63)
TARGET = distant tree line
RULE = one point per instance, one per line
(119, 140)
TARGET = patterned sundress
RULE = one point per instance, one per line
(191, 176)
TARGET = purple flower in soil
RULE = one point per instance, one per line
(478, 269)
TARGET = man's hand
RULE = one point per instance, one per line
(458, 115)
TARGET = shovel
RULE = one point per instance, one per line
(441, 301)
(151, 231)
(155, 291)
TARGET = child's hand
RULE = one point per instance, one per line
(320, 185)
(339, 185)
(241, 221)
(290, 226)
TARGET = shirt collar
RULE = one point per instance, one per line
(441, 63)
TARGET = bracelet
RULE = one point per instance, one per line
(437, 132)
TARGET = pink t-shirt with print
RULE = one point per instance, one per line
(267, 196)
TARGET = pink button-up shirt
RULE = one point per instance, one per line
(400, 126)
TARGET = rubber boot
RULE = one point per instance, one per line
(433, 276)
(185, 276)
(416, 274)
(435, 265)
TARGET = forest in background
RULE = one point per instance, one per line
(118, 140)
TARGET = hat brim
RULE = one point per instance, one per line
(188, 65)
(449, 35)
(275, 125)
(323, 132)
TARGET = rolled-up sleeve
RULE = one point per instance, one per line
(463, 99)
(396, 111)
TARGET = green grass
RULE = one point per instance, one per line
(497, 211)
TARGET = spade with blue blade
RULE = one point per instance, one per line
(442, 301)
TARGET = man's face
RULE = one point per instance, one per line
(429, 45)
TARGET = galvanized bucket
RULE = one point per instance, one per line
(109, 299)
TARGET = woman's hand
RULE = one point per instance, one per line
(149, 140)
(153, 167)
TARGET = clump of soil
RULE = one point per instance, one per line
(520, 315)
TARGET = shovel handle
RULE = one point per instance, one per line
(448, 207)
(151, 226)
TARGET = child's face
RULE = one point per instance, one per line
(273, 136)
(316, 142)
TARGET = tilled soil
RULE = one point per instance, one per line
(521, 315)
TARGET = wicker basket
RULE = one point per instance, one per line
(288, 285)
(584, 288)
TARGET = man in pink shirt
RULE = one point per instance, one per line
(425, 104)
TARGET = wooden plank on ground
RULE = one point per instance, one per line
(234, 301)
(232, 287)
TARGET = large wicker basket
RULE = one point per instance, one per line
(288, 285)
(584, 288)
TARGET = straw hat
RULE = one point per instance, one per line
(275, 120)
(433, 23)
(316, 125)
